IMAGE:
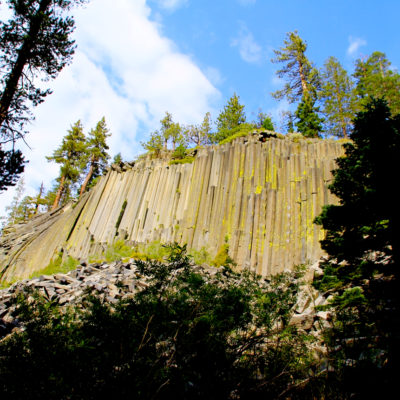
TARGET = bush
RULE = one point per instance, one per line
(187, 335)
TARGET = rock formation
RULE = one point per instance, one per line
(260, 197)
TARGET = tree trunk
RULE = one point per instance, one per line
(59, 193)
(302, 78)
(87, 179)
(24, 53)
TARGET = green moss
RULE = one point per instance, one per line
(222, 258)
(57, 265)
(120, 250)
(7, 284)
(186, 160)
(241, 133)
(201, 256)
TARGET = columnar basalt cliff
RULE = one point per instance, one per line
(259, 197)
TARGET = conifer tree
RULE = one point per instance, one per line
(375, 78)
(39, 200)
(174, 133)
(35, 44)
(309, 123)
(287, 121)
(96, 152)
(155, 144)
(301, 77)
(166, 123)
(117, 159)
(199, 135)
(230, 119)
(363, 242)
(338, 98)
(264, 121)
(71, 156)
(12, 164)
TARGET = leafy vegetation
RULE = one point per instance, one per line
(187, 335)
(362, 240)
(35, 45)
(57, 265)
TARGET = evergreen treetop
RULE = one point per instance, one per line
(337, 96)
(301, 77)
(375, 78)
(309, 123)
(72, 157)
(229, 119)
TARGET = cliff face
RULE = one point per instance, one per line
(260, 197)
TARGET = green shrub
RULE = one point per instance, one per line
(240, 131)
(185, 336)
(295, 137)
(186, 160)
(222, 258)
(201, 256)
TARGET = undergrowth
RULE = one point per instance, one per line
(187, 335)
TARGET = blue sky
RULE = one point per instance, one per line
(136, 59)
(237, 38)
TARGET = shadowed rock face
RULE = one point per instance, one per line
(260, 197)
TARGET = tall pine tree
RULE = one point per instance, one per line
(301, 77)
(71, 156)
(362, 273)
(96, 153)
(337, 97)
(375, 78)
(35, 44)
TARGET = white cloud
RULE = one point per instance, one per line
(214, 76)
(171, 4)
(355, 44)
(249, 50)
(125, 70)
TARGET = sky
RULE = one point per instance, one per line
(137, 59)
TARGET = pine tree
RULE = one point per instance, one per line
(199, 135)
(230, 119)
(166, 123)
(176, 136)
(71, 156)
(96, 152)
(34, 44)
(302, 78)
(264, 121)
(155, 143)
(39, 200)
(338, 98)
(287, 121)
(363, 243)
(375, 78)
(309, 123)
(117, 159)
(12, 164)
